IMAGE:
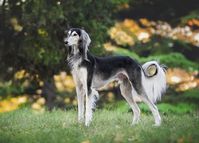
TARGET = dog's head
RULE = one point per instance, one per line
(76, 37)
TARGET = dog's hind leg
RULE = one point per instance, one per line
(136, 81)
(127, 92)
(153, 109)
(90, 105)
(93, 97)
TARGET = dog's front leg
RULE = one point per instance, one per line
(88, 111)
(80, 100)
(80, 96)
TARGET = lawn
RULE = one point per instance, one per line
(25, 125)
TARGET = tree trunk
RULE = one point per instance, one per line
(48, 92)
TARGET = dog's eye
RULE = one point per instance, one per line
(75, 34)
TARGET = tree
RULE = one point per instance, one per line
(31, 34)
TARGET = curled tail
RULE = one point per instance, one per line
(154, 80)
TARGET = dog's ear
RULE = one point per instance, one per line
(85, 42)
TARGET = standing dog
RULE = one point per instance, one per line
(91, 73)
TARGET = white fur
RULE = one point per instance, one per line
(90, 105)
(80, 100)
(154, 86)
(80, 91)
(83, 78)
(69, 32)
(72, 39)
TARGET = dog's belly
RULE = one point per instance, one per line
(98, 82)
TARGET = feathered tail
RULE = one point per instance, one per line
(154, 80)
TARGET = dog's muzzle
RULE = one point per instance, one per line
(65, 41)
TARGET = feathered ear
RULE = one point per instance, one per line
(164, 67)
(85, 40)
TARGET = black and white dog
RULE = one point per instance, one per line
(91, 73)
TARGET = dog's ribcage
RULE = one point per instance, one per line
(80, 74)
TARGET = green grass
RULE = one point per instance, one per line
(27, 126)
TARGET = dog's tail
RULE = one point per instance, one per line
(154, 80)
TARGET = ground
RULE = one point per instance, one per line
(58, 126)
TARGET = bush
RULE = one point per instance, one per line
(171, 60)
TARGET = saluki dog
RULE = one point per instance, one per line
(91, 73)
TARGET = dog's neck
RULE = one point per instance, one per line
(77, 51)
(74, 56)
(73, 51)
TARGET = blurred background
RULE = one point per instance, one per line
(33, 68)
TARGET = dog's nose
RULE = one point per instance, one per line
(65, 40)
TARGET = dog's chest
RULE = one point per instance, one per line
(76, 71)
(79, 74)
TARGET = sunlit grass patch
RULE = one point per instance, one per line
(24, 125)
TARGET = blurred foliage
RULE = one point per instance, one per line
(191, 94)
(170, 10)
(12, 103)
(32, 32)
(156, 37)
(33, 55)
(32, 42)
(191, 15)
(171, 60)
(8, 88)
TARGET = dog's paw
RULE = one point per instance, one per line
(87, 124)
(134, 123)
(157, 125)
(80, 121)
